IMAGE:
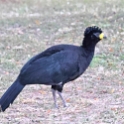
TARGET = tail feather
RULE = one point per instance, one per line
(10, 95)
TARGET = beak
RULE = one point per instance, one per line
(102, 36)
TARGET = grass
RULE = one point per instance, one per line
(29, 27)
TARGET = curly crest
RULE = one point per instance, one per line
(91, 30)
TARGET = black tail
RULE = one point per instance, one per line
(10, 95)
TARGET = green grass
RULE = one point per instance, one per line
(28, 27)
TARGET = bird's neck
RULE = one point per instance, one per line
(88, 45)
(89, 49)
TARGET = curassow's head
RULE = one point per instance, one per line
(92, 36)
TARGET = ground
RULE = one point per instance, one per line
(29, 27)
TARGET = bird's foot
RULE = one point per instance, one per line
(66, 105)
(56, 106)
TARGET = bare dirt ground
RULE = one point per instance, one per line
(29, 27)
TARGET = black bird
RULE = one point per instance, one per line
(55, 66)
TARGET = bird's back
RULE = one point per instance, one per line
(60, 63)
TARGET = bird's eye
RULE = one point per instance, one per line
(93, 36)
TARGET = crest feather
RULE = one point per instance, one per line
(92, 29)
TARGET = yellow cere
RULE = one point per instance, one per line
(101, 36)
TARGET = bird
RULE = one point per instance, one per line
(55, 66)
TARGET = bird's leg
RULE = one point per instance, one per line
(0, 108)
(60, 95)
(54, 97)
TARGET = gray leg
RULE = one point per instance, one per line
(60, 95)
(54, 98)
